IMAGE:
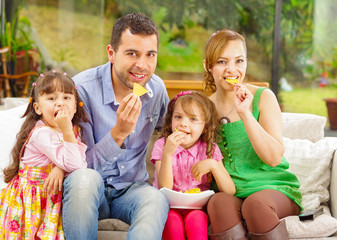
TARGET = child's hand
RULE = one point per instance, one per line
(173, 141)
(202, 167)
(54, 180)
(63, 120)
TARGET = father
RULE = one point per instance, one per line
(117, 134)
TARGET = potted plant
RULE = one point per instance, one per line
(17, 36)
(331, 104)
(24, 55)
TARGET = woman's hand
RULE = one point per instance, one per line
(243, 98)
(53, 182)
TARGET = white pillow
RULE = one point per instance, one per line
(303, 126)
(12, 102)
(10, 124)
(311, 163)
(322, 226)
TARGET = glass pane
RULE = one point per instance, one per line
(77, 31)
(73, 34)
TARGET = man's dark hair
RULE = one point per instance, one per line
(138, 23)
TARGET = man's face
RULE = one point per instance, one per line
(135, 60)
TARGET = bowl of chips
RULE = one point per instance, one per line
(190, 199)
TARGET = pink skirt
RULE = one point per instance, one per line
(27, 212)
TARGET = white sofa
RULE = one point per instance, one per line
(312, 158)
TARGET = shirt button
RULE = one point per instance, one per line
(110, 178)
(115, 158)
(122, 167)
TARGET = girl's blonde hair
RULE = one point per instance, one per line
(214, 48)
(209, 115)
(45, 84)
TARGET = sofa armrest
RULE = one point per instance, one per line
(333, 186)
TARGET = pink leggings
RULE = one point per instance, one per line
(261, 211)
(192, 223)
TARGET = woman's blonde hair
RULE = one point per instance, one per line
(214, 48)
(209, 115)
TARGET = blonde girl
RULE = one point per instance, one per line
(186, 157)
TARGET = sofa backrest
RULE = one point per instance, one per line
(295, 125)
(303, 126)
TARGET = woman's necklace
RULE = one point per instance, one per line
(224, 119)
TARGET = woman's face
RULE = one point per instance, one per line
(232, 64)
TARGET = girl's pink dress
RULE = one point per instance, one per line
(28, 212)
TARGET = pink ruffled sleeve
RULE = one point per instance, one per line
(157, 150)
(65, 155)
(217, 153)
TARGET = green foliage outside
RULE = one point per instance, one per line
(15, 34)
(308, 100)
(79, 35)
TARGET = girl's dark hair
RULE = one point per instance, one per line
(209, 116)
(45, 84)
(214, 48)
(137, 23)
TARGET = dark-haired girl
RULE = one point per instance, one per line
(48, 146)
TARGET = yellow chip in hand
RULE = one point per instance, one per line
(232, 81)
(138, 90)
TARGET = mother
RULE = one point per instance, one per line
(252, 146)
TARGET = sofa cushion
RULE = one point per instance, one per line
(113, 225)
(333, 187)
(311, 163)
(303, 126)
(10, 124)
(323, 226)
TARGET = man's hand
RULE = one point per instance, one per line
(54, 180)
(127, 117)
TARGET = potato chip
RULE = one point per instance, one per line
(138, 90)
(193, 190)
(232, 81)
